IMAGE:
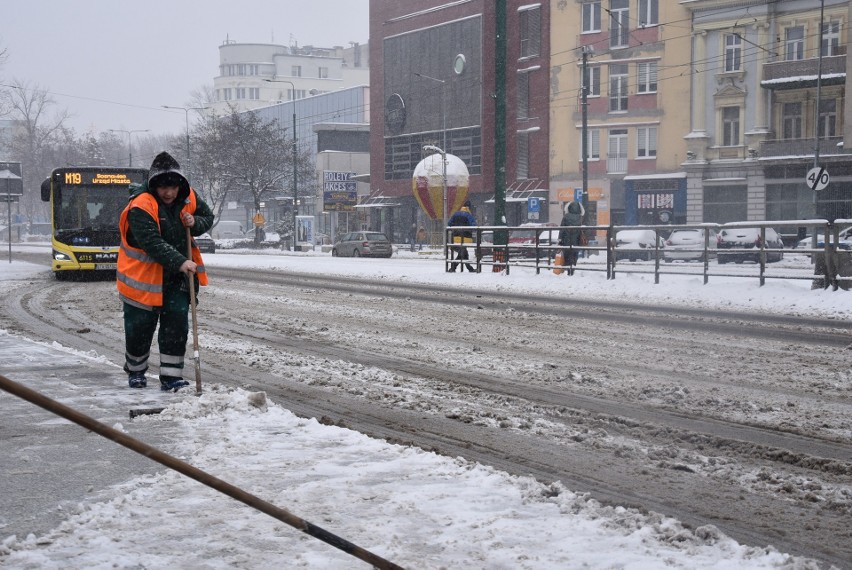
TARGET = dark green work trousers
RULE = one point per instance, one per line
(139, 327)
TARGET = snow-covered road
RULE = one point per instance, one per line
(687, 414)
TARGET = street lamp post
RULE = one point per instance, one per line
(443, 142)
(129, 141)
(295, 185)
(433, 148)
(186, 111)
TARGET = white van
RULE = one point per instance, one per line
(227, 230)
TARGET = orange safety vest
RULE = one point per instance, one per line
(138, 277)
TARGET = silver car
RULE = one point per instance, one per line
(363, 244)
(688, 245)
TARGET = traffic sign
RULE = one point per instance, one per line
(817, 178)
(258, 219)
(533, 205)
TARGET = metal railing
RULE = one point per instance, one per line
(536, 247)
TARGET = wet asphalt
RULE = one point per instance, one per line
(49, 466)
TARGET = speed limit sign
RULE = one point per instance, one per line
(817, 178)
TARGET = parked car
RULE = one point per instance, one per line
(635, 245)
(205, 243)
(844, 237)
(227, 229)
(688, 245)
(743, 244)
(363, 244)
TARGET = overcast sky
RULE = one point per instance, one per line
(114, 63)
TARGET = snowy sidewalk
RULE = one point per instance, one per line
(414, 508)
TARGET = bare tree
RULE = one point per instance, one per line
(242, 154)
(36, 139)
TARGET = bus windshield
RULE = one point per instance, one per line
(88, 207)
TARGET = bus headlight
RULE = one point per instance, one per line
(59, 256)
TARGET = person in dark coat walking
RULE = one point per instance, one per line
(462, 218)
(570, 237)
(154, 271)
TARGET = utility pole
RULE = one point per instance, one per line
(129, 141)
(501, 237)
(295, 159)
(585, 136)
(186, 111)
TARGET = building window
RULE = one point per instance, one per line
(792, 121)
(730, 126)
(827, 118)
(593, 142)
(618, 75)
(649, 13)
(240, 92)
(619, 23)
(733, 52)
(226, 93)
(593, 81)
(523, 96)
(725, 204)
(794, 43)
(323, 73)
(523, 169)
(616, 160)
(254, 93)
(591, 17)
(646, 142)
(646, 75)
(831, 38)
(530, 24)
(788, 202)
(296, 71)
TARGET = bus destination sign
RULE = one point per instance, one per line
(118, 178)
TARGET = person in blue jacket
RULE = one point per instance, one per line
(462, 218)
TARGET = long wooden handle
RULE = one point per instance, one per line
(191, 280)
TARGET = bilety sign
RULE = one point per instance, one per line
(339, 191)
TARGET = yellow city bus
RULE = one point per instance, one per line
(85, 204)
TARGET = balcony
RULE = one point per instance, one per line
(616, 165)
(799, 147)
(803, 73)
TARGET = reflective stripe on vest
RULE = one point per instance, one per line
(139, 278)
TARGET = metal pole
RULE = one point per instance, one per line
(295, 153)
(816, 123)
(295, 170)
(585, 141)
(129, 141)
(444, 146)
(501, 237)
(188, 159)
(186, 111)
(9, 203)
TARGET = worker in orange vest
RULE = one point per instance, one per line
(154, 272)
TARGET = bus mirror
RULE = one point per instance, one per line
(45, 190)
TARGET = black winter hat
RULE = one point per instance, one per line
(165, 171)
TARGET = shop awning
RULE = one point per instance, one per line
(378, 200)
(522, 190)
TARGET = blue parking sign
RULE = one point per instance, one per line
(533, 205)
(578, 194)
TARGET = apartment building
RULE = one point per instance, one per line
(253, 75)
(635, 55)
(768, 104)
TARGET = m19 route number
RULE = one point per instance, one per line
(817, 178)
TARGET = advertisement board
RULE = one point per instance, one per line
(304, 230)
(339, 191)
